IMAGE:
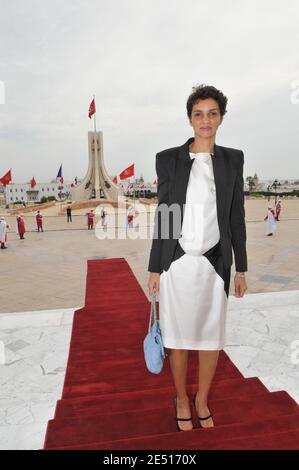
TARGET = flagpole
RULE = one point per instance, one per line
(97, 177)
(94, 116)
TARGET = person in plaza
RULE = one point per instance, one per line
(3, 232)
(69, 213)
(20, 226)
(39, 221)
(130, 216)
(271, 222)
(104, 218)
(200, 217)
(90, 219)
(277, 209)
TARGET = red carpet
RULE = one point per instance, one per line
(111, 401)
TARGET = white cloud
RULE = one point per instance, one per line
(141, 59)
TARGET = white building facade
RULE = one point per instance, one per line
(22, 192)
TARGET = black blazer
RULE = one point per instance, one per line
(173, 168)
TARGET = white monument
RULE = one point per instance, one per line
(96, 184)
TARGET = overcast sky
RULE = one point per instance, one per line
(141, 58)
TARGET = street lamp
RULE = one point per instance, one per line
(269, 189)
(275, 185)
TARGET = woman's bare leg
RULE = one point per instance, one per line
(178, 359)
(207, 367)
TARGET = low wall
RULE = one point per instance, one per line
(77, 205)
(34, 207)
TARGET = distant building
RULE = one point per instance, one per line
(22, 192)
(286, 185)
(141, 188)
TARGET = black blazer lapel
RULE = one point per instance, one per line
(220, 176)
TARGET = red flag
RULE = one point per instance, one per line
(32, 182)
(92, 108)
(115, 179)
(6, 179)
(127, 172)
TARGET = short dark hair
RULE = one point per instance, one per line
(202, 92)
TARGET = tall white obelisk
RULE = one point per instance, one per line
(97, 184)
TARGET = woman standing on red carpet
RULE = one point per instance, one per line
(199, 219)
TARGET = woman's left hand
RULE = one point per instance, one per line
(240, 285)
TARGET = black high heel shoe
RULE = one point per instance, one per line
(200, 419)
(180, 419)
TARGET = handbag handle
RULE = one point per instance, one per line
(153, 313)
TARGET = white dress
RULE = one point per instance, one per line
(271, 222)
(194, 290)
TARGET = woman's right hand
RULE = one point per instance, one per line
(154, 283)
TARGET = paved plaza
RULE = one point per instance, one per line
(43, 282)
(47, 270)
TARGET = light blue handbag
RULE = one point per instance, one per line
(154, 353)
